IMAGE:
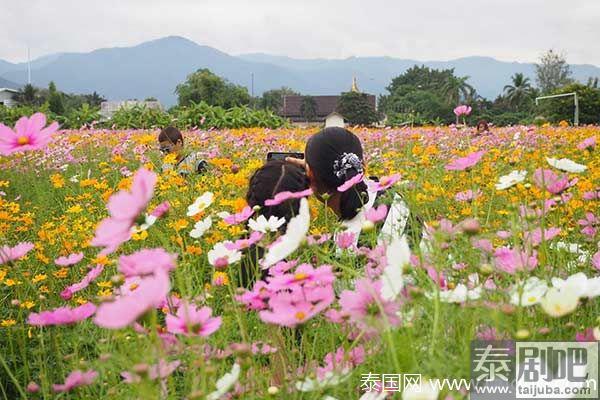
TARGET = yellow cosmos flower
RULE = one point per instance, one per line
(5, 323)
(57, 180)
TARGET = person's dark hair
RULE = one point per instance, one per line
(275, 177)
(171, 134)
(323, 151)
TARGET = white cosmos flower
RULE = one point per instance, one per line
(423, 391)
(201, 227)
(261, 224)
(331, 378)
(148, 222)
(220, 252)
(223, 214)
(398, 256)
(200, 204)
(564, 164)
(74, 179)
(459, 294)
(511, 179)
(559, 302)
(225, 383)
(295, 234)
(573, 248)
(532, 292)
(579, 284)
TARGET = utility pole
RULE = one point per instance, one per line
(28, 66)
(575, 102)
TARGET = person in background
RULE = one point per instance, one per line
(170, 141)
(482, 127)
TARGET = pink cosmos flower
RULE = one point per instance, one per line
(345, 240)
(592, 195)
(460, 164)
(256, 299)
(160, 209)
(8, 254)
(341, 362)
(124, 208)
(127, 308)
(282, 267)
(85, 282)
(283, 196)
(462, 110)
(76, 379)
(585, 336)
(367, 309)
(596, 260)
(71, 259)
(483, 244)
(467, 195)
(29, 134)
(534, 237)
(313, 240)
(553, 183)
(32, 387)
(512, 260)
(305, 275)
(62, 315)
(295, 308)
(588, 143)
(191, 321)
(147, 261)
(384, 183)
(239, 217)
(350, 183)
(376, 214)
(588, 223)
(161, 370)
(241, 244)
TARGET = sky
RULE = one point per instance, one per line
(509, 30)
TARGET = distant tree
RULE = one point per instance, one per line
(55, 100)
(559, 109)
(273, 99)
(27, 95)
(150, 99)
(308, 108)
(356, 109)
(552, 72)
(519, 91)
(94, 99)
(592, 82)
(203, 85)
(457, 88)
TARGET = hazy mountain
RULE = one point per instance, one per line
(8, 84)
(154, 68)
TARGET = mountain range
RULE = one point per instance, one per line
(154, 68)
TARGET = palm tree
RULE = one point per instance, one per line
(518, 91)
(456, 88)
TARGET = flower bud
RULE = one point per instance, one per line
(522, 334)
(272, 390)
(470, 226)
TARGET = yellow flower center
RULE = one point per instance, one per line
(300, 276)
(23, 140)
(300, 315)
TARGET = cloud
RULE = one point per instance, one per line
(424, 30)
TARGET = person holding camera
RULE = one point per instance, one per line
(170, 141)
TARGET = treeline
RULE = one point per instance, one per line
(422, 96)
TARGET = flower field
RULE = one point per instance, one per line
(119, 281)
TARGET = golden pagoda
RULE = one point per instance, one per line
(354, 87)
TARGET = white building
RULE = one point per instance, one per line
(335, 119)
(7, 97)
(108, 108)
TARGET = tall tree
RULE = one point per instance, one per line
(356, 109)
(457, 88)
(55, 100)
(518, 91)
(308, 108)
(27, 95)
(273, 99)
(205, 86)
(552, 72)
